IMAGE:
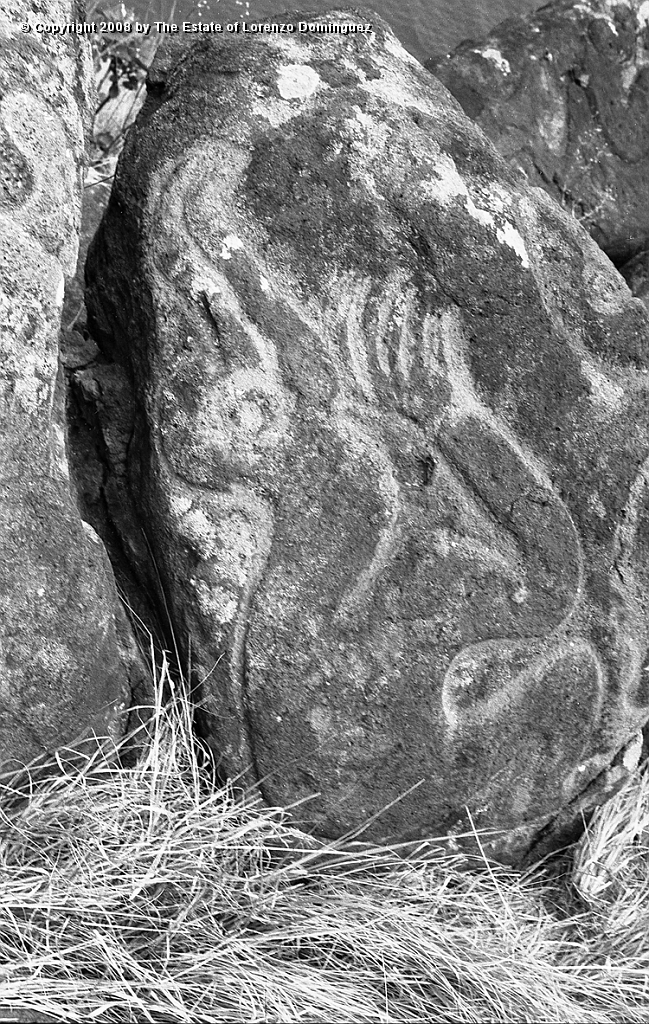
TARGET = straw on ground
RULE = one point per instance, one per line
(143, 894)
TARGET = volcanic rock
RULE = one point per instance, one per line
(564, 95)
(390, 439)
(66, 655)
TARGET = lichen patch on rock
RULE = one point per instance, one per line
(297, 81)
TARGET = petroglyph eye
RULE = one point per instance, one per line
(237, 421)
(242, 417)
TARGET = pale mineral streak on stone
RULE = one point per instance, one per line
(483, 217)
(508, 235)
(447, 183)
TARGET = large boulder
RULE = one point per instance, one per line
(67, 659)
(564, 95)
(390, 438)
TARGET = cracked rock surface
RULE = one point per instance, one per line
(389, 439)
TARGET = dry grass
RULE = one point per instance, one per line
(121, 60)
(142, 894)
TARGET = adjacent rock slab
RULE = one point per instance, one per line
(65, 656)
(564, 95)
(391, 439)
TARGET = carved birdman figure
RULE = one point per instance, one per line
(392, 440)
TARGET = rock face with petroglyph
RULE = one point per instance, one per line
(62, 667)
(564, 95)
(390, 440)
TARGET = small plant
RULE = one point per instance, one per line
(121, 61)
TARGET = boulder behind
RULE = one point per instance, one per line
(564, 95)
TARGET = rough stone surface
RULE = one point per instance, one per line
(564, 95)
(66, 657)
(390, 439)
(636, 274)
